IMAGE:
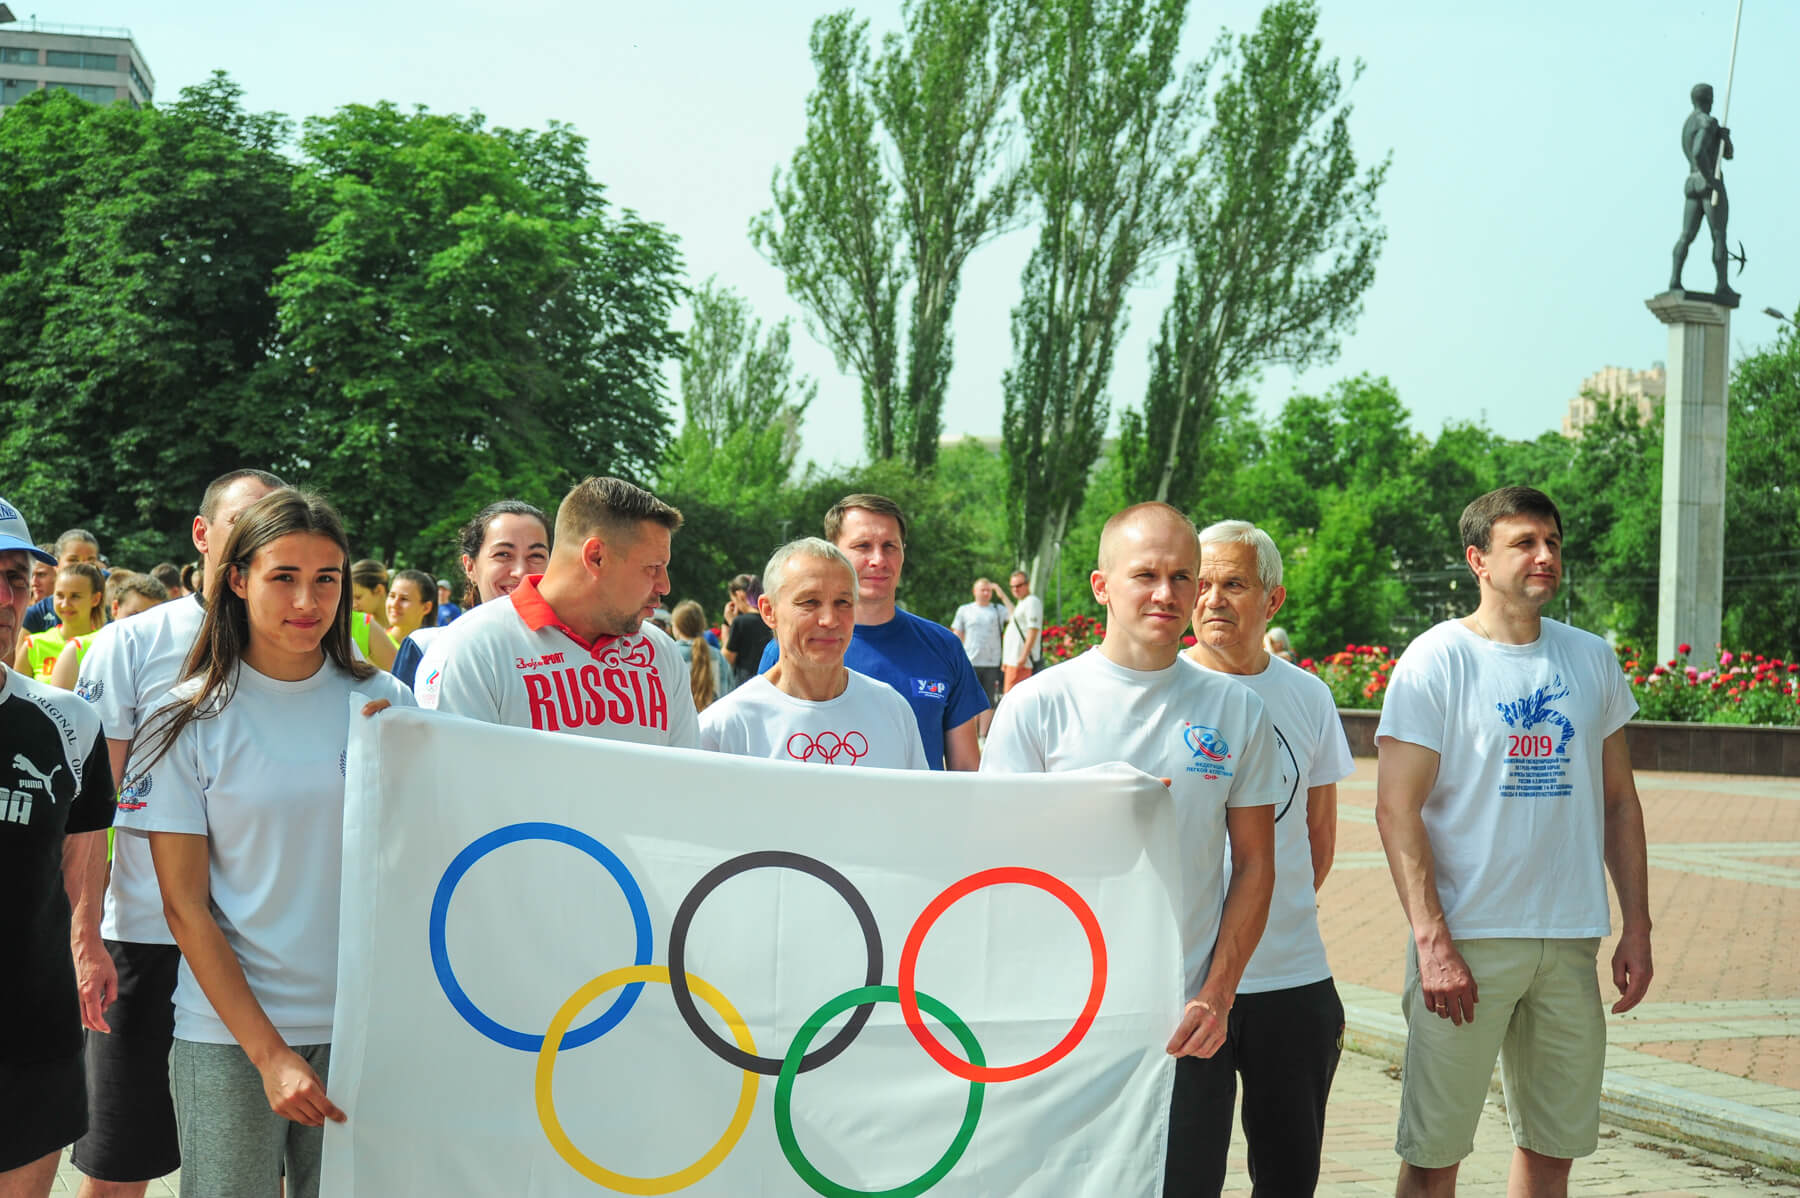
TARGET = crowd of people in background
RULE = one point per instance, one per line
(174, 1000)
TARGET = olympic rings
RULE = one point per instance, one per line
(440, 952)
(684, 986)
(684, 917)
(828, 747)
(624, 1183)
(909, 962)
(792, 1066)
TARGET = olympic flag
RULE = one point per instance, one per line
(574, 967)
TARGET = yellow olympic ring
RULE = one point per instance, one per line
(546, 1100)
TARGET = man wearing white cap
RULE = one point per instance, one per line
(56, 800)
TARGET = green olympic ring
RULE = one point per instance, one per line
(790, 1069)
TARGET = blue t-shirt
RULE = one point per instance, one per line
(406, 661)
(446, 613)
(41, 616)
(925, 663)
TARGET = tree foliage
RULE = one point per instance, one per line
(1107, 119)
(136, 249)
(852, 227)
(1762, 503)
(1279, 238)
(743, 404)
(467, 305)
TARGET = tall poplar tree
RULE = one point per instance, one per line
(1280, 241)
(1108, 123)
(899, 179)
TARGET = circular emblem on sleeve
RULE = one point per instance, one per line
(90, 689)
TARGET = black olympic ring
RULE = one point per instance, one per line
(678, 979)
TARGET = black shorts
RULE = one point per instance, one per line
(131, 1118)
(43, 1108)
(990, 678)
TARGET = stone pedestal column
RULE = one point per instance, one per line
(1691, 582)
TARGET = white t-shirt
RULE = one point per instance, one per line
(512, 661)
(1516, 816)
(1028, 615)
(868, 725)
(1200, 729)
(1312, 751)
(980, 625)
(263, 781)
(126, 675)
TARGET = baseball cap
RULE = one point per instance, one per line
(14, 534)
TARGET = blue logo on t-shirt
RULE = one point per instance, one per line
(1527, 713)
(90, 689)
(931, 688)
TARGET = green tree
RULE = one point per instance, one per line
(743, 404)
(469, 319)
(1280, 242)
(1342, 588)
(941, 93)
(1762, 504)
(1108, 121)
(836, 228)
(136, 249)
(850, 231)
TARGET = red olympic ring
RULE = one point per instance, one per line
(909, 961)
(855, 744)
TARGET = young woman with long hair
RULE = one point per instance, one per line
(79, 596)
(411, 604)
(505, 543)
(239, 784)
(709, 676)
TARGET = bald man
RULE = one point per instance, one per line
(1130, 699)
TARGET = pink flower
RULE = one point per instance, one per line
(1726, 658)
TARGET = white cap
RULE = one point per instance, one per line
(14, 534)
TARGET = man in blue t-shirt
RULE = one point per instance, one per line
(923, 661)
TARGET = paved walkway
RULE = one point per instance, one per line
(1713, 1055)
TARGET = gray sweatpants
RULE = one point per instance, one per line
(232, 1144)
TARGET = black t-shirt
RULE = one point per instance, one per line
(55, 780)
(749, 636)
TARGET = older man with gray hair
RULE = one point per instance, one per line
(1286, 1029)
(809, 706)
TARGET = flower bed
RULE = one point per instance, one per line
(1071, 638)
(1744, 688)
(1357, 674)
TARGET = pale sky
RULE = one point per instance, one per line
(1533, 200)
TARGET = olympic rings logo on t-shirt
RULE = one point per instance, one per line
(741, 1051)
(828, 747)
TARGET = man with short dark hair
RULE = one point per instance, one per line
(1504, 796)
(573, 649)
(921, 660)
(55, 803)
(126, 675)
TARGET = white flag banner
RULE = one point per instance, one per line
(574, 967)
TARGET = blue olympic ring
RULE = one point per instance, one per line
(440, 953)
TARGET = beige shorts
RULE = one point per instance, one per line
(1540, 1011)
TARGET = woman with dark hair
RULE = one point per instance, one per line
(411, 604)
(239, 785)
(506, 542)
(744, 636)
